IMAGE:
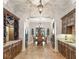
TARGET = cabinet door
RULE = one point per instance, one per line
(73, 54)
(64, 50)
(7, 53)
(16, 29)
(59, 46)
(68, 53)
(63, 26)
(69, 29)
(68, 20)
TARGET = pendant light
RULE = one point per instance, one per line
(40, 7)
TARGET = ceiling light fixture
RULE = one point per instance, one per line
(40, 7)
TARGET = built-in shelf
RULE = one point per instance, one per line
(12, 44)
(11, 26)
(68, 23)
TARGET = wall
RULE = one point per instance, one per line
(21, 32)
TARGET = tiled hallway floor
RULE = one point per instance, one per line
(39, 52)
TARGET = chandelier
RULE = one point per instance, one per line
(39, 24)
(40, 4)
(40, 7)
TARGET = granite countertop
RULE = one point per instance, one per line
(10, 43)
(73, 44)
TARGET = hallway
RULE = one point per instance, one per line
(39, 52)
(43, 25)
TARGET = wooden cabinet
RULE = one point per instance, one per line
(16, 29)
(62, 48)
(66, 50)
(7, 52)
(11, 26)
(68, 56)
(12, 50)
(59, 46)
(73, 54)
(67, 21)
(53, 41)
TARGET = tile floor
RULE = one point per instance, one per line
(39, 52)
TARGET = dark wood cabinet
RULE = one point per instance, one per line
(53, 41)
(69, 29)
(59, 46)
(66, 50)
(68, 21)
(11, 51)
(68, 56)
(73, 53)
(62, 48)
(16, 29)
(11, 26)
(7, 52)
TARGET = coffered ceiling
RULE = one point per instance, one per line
(28, 8)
